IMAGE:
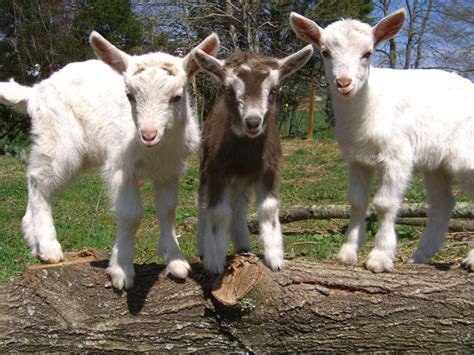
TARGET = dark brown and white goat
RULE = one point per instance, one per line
(240, 150)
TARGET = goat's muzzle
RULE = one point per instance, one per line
(253, 125)
(344, 85)
(148, 136)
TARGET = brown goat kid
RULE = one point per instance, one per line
(240, 151)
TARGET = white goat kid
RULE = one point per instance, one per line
(128, 115)
(392, 121)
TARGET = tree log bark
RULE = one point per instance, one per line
(307, 307)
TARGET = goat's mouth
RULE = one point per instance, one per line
(149, 142)
(347, 91)
(253, 132)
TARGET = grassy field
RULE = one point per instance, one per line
(312, 173)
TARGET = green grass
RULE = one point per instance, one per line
(312, 173)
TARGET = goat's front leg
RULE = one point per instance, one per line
(217, 217)
(395, 177)
(269, 219)
(129, 212)
(166, 200)
(360, 177)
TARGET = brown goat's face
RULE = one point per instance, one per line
(250, 94)
(250, 83)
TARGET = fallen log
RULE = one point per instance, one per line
(297, 213)
(462, 210)
(307, 307)
(455, 225)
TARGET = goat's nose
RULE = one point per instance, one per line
(253, 122)
(343, 82)
(148, 133)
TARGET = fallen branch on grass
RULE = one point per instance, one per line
(291, 214)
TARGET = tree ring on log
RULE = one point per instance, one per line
(242, 273)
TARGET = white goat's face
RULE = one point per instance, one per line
(155, 85)
(157, 97)
(250, 85)
(346, 47)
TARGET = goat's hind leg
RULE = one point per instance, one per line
(44, 182)
(38, 224)
(466, 179)
(239, 230)
(201, 219)
(441, 204)
(166, 199)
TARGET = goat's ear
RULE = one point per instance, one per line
(209, 64)
(210, 46)
(306, 29)
(293, 62)
(388, 27)
(108, 53)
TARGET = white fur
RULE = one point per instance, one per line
(270, 228)
(391, 121)
(81, 118)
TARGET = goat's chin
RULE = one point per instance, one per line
(240, 131)
(347, 93)
(253, 133)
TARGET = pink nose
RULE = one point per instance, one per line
(343, 82)
(148, 134)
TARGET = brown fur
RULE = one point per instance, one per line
(224, 155)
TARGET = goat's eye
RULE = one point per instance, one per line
(130, 97)
(176, 98)
(229, 90)
(326, 53)
(273, 91)
(367, 55)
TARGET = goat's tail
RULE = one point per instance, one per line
(14, 95)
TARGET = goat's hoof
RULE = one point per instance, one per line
(418, 258)
(347, 254)
(379, 261)
(213, 266)
(275, 260)
(468, 262)
(121, 277)
(178, 268)
(50, 252)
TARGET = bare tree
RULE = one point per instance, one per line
(438, 34)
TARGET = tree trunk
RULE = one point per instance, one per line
(309, 132)
(421, 36)
(307, 307)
